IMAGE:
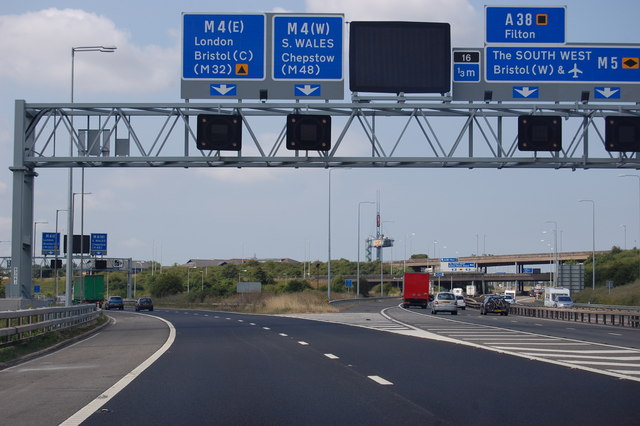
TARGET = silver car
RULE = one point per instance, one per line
(444, 302)
(563, 302)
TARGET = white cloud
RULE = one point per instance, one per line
(466, 22)
(39, 45)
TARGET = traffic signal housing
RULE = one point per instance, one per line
(539, 133)
(308, 132)
(622, 134)
(219, 132)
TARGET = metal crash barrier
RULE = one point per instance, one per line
(605, 317)
(24, 324)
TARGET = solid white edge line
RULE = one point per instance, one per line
(88, 410)
(379, 380)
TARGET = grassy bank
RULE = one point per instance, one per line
(40, 343)
(257, 303)
(626, 295)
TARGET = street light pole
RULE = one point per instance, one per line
(593, 211)
(56, 250)
(555, 252)
(102, 49)
(637, 177)
(358, 263)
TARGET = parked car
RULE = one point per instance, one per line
(444, 302)
(461, 303)
(114, 302)
(494, 304)
(563, 302)
(144, 303)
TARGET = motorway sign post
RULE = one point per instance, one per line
(98, 244)
(262, 56)
(50, 244)
(505, 24)
(527, 59)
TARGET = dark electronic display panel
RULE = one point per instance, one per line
(394, 57)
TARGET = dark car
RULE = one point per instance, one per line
(144, 303)
(114, 302)
(494, 304)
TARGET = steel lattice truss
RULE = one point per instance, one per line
(396, 132)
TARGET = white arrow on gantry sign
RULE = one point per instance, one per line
(607, 93)
(307, 89)
(223, 89)
(525, 92)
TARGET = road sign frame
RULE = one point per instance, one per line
(267, 88)
(98, 244)
(334, 23)
(554, 33)
(546, 91)
(254, 38)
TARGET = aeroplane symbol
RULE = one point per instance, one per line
(575, 70)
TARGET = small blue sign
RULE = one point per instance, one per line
(98, 244)
(307, 90)
(348, 283)
(528, 92)
(535, 25)
(575, 64)
(36, 289)
(50, 243)
(223, 47)
(466, 72)
(223, 89)
(307, 47)
(607, 92)
(527, 270)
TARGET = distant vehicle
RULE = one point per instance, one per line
(471, 290)
(532, 293)
(511, 293)
(494, 304)
(144, 303)
(509, 298)
(461, 303)
(416, 290)
(114, 302)
(551, 295)
(88, 289)
(563, 302)
(444, 302)
(457, 291)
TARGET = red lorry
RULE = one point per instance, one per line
(416, 290)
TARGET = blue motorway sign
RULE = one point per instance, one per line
(566, 64)
(50, 243)
(537, 25)
(223, 47)
(98, 244)
(307, 47)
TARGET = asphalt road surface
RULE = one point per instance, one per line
(394, 367)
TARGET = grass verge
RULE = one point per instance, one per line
(48, 341)
(256, 303)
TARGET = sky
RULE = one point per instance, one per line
(173, 215)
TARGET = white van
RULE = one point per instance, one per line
(551, 295)
(510, 296)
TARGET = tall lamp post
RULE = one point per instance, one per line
(102, 49)
(358, 263)
(593, 211)
(329, 241)
(56, 250)
(637, 177)
(555, 252)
